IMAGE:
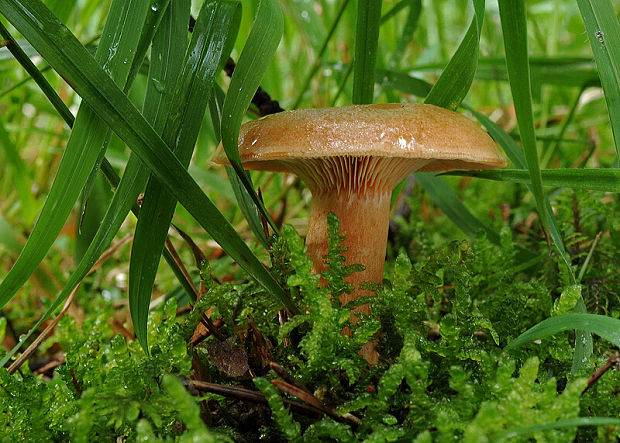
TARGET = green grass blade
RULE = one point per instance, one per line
(167, 57)
(366, 43)
(319, 56)
(455, 80)
(259, 48)
(510, 147)
(92, 214)
(151, 24)
(444, 197)
(449, 91)
(212, 40)
(115, 54)
(403, 82)
(240, 193)
(601, 325)
(604, 34)
(560, 71)
(514, 28)
(607, 180)
(563, 423)
(74, 63)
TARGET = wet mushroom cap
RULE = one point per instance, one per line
(351, 158)
(416, 137)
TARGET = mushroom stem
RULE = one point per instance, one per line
(364, 220)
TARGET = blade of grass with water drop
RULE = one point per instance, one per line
(115, 54)
(77, 66)
(366, 43)
(212, 39)
(604, 34)
(151, 24)
(167, 55)
(259, 48)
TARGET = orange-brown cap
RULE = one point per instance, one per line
(444, 139)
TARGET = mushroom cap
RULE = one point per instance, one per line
(441, 139)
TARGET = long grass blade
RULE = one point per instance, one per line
(514, 28)
(449, 91)
(76, 65)
(241, 195)
(259, 48)
(212, 40)
(151, 24)
(601, 325)
(115, 54)
(604, 34)
(455, 80)
(20, 175)
(366, 43)
(607, 180)
(561, 71)
(167, 55)
(444, 197)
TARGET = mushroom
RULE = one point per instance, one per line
(351, 158)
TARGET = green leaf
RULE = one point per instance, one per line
(514, 28)
(366, 43)
(604, 34)
(601, 325)
(77, 66)
(402, 82)
(444, 196)
(167, 58)
(251, 66)
(561, 71)
(607, 180)
(455, 80)
(114, 54)
(240, 193)
(212, 39)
